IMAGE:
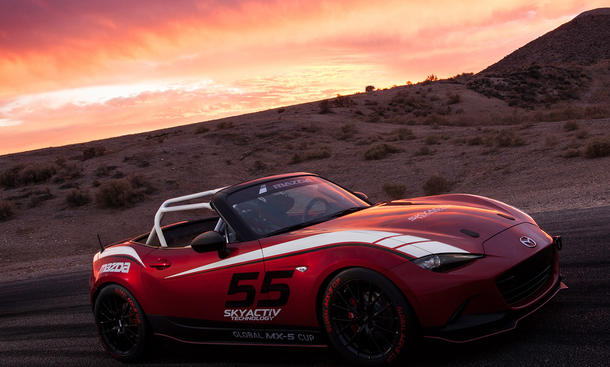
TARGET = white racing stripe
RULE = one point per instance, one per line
(435, 247)
(398, 241)
(248, 256)
(326, 239)
(411, 245)
(119, 250)
(413, 250)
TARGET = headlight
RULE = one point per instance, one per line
(444, 262)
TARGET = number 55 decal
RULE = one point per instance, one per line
(267, 287)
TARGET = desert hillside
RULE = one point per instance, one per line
(531, 130)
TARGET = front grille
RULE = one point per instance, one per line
(525, 280)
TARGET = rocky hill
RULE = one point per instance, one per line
(583, 41)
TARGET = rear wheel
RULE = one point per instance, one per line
(120, 323)
(367, 318)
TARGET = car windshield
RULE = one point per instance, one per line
(291, 203)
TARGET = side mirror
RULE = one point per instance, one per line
(208, 241)
(361, 196)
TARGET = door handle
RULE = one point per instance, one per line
(160, 264)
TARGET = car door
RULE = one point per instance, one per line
(183, 283)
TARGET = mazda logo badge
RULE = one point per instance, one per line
(527, 242)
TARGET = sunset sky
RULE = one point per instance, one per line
(75, 70)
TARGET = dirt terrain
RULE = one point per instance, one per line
(536, 136)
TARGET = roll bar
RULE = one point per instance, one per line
(165, 208)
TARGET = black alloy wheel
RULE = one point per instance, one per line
(366, 317)
(120, 323)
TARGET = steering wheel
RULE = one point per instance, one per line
(308, 216)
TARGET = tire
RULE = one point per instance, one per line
(121, 323)
(366, 318)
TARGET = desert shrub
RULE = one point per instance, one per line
(11, 177)
(201, 129)
(571, 153)
(38, 196)
(431, 78)
(310, 155)
(69, 171)
(507, 138)
(93, 152)
(476, 140)
(404, 133)
(436, 185)
(369, 88)
(124, 192)
(224, 125)
(423, 151)
(380, 151)
(347, 131)
(311, 128)
(324, 107)
(432, 139)
(343, 101)
(453, 99)
(582, 133)
(6, 210)
(598, 148)
(104, 170)
(571, 126)
(21, 175)
(280, 110)
(77, 198)
(258, 166)
(595, 112)
(394, 190)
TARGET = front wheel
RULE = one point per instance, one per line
(366, 318)
(120, 323)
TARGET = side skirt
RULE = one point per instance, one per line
(194, 331)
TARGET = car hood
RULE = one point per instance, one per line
(462, 221)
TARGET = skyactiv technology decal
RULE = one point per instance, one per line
(257, 314)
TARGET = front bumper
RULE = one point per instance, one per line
(466, 328)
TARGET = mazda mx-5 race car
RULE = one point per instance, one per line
(297, 260)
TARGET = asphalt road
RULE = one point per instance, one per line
(48, 321)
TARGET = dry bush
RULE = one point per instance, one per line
(598, 148)
(347, 131)
(77, 198)
(201, 129)
(394, 190)
(369, 88)
(507, 138)
(380, 151)
(582, 133)
(343, 101)
(453, 99)
(224, 125)
(92, 152)
(571, 153)
(311, 128)
(324, 107)
(432, 139)
(571, 126)
(38, 196)
(104, 170)
(310, 155)
(437, 185)
(258, 167)
(121, 193)
(476, 140)
(6, 210)
(69, 171)
(404, 133)
(423, 151)
(21, 175)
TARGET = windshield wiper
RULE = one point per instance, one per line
(316, 221)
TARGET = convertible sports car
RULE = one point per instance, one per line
(297, 260)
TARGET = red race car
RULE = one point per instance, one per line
(298, 260)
